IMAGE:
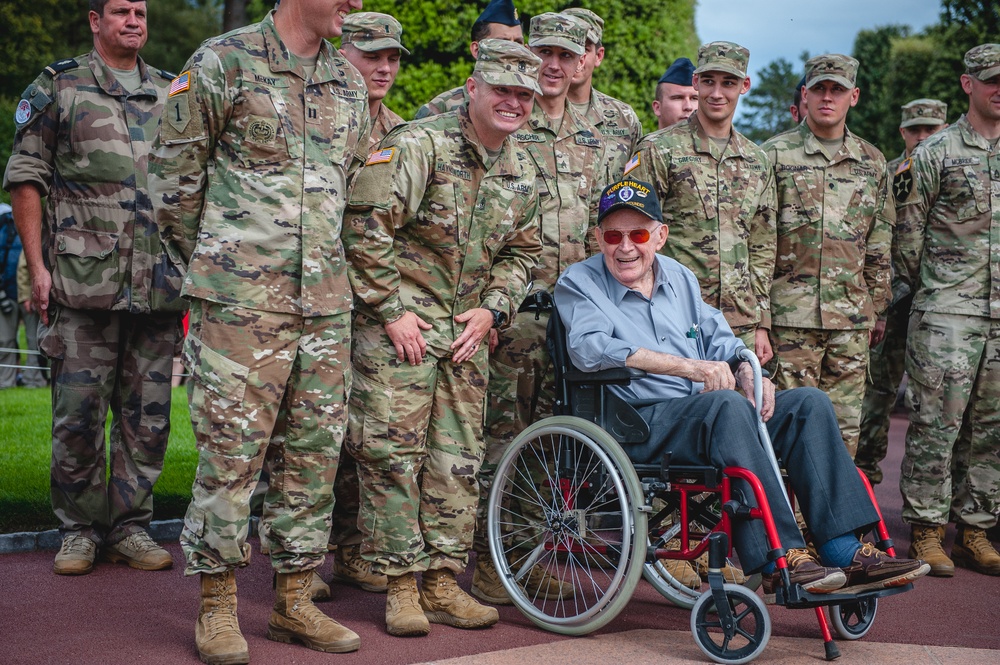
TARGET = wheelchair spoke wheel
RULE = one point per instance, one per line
(567, 535)
(751, 629)
(852, 621)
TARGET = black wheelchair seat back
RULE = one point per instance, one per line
(587, 395)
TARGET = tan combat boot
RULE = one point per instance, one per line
(444, 602)
(139, 551)
(350, 568)
(318, 589)
(486, 584)
(294, 617)
(403, 615)
(972, 549)
(76, 556)
(217, 634)
(926, 544)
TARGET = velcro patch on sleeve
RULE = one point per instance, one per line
(180, 84)
(632, 164)
(381, 156)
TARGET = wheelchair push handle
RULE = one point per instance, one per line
(746, 355)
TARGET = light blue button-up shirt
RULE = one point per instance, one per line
(607, 322)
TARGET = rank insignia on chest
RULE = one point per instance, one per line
(632, 163)
(180, 84)
(902, 181)
(380, 157)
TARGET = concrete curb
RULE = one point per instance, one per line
(163, 531)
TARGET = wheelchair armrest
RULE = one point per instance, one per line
(619, 376)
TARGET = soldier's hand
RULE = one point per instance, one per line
(494, 340)
(478, 323)
(878, 334)
(406, 337)
(41, 285)
(762, 346)
(714, 374)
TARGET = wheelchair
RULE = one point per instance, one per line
(568, 502)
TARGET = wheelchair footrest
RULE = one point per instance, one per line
(799, 598)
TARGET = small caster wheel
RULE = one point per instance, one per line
(852, 621)
(750, 631)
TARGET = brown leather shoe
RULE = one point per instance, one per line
(871, 569)
(76, 556)
(805, 571)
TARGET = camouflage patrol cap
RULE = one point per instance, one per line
(983, 61)
(502, 62)
(723, 57)
(371, 31)
(842, 69)
(595, 24)
(550, 29)
(924, 112)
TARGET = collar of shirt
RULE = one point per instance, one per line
(850, 150)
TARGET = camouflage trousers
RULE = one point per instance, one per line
(885, 370)
(99, 360)
(416, 432)
(953, 443)
(521, 392)
(264, 384)
(835, 361)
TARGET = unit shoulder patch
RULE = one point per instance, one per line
(902, 180)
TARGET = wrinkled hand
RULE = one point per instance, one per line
(494, 340)
(767, 391)
(406, 337)
(715, 375)
(762, 346)
(878, 334)
(41, 285)
(479, 322)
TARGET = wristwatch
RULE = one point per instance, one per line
(499, 318)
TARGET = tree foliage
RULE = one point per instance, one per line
(765, 107)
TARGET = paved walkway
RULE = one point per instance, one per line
(120, 615)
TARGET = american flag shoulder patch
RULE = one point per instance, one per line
(180, 84)
(632, 163)
(380, 156)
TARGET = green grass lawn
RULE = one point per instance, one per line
(25, 453)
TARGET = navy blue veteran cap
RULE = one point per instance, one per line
(680, 72)
(500, 11)
(633, 194)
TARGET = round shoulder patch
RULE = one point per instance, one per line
(23, 112)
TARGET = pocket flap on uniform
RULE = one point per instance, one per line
(80, 242)
(226, 378)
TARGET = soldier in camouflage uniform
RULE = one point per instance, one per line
(921, 118)
(102, 282)
(498, 21)
(948, 249)
(716, 189)
(835, 219)
(249, 178)
(372, 42)
(614, 119)
(441, 235)
(568, 154)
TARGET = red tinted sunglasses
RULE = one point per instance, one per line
(637, 236)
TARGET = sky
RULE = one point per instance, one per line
(774, 29)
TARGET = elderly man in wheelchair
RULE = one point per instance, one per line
(630, 307)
